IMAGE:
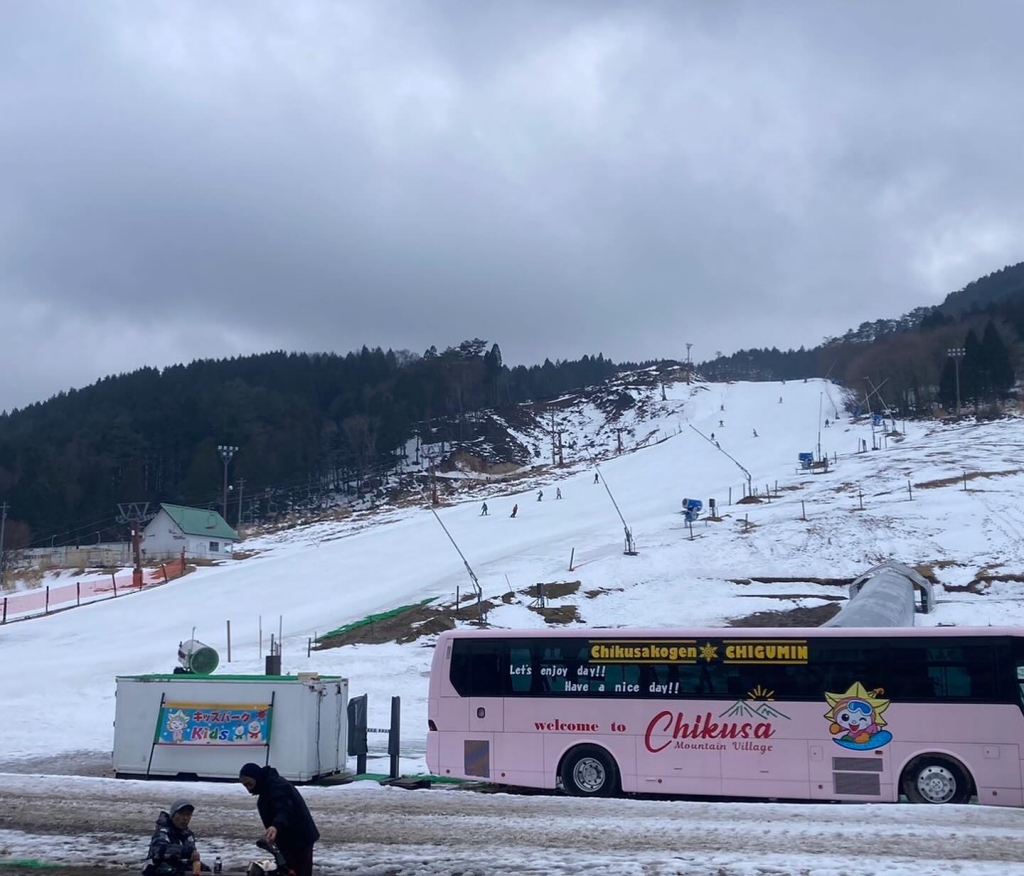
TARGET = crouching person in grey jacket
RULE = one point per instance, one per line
(172, 850)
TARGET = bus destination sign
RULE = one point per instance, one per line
(726, 651)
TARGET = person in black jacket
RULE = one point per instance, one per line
(172, 850)
(284, 814)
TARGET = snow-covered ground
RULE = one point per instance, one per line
(57, 680)
(374, 831)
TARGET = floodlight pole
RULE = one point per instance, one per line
(226, 451)
(956, 354)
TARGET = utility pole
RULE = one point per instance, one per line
(241, 488)
(956, 354)
(688, 345)
(3, 523)
(136, 555)
(226, 451)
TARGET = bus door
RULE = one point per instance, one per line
(486, 672)
(671, 756)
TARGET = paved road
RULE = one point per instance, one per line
(389, 832)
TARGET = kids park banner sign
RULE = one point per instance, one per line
(214, 724)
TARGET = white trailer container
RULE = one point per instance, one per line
(206, 726)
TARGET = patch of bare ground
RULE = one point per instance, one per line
(291, 521)
(203, 561)
(827, 596)
(469, 463)
(926, 570)
(982, 582)
(830, 582)
(751, 500)
(593, 594)
(420, 621)
(560, 614)
(794, 617)
(559, 589)
(961, 478)
(417, 622)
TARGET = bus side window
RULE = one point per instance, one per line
(520, 670)
(485, 676)
(560, 662)
(623, 678)
(964, 672)
(476, 669)
(951, 682)
(654, 679)
(709, 679)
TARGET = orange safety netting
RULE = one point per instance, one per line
(51, 598)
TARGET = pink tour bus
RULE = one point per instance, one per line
(934, 714)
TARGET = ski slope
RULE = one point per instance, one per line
(57, 681)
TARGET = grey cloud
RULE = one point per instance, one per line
(559, 178)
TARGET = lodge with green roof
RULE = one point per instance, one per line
(201, 532)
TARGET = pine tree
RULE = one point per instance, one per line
(972, 369)
(947, 385)
(999, 372)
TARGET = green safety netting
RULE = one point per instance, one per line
(373, 618)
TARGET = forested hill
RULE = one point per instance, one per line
(313, 421)
(1006, 283)
(908, 357)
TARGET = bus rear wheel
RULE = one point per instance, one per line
(589, 771)
(936, 780)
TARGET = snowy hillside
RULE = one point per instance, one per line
(58, 676)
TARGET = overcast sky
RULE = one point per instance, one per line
(196, 179)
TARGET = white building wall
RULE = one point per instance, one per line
(163, 539)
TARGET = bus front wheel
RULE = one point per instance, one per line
(936, 780)
(589, 771)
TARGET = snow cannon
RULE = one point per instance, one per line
(692, 509)
(806, 460)
(197, 658)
